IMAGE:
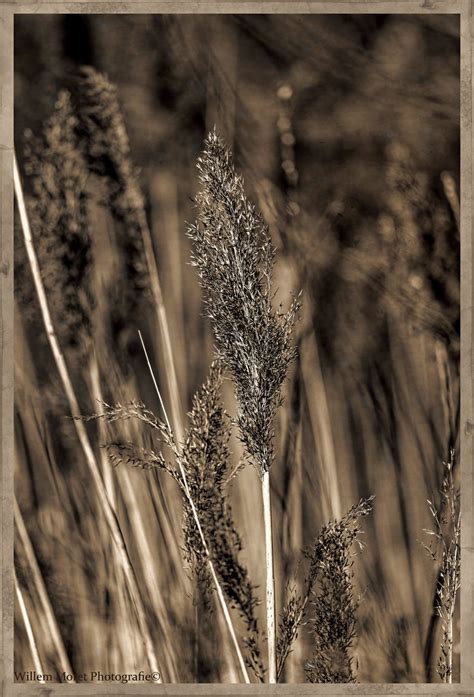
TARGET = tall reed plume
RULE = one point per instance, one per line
(57, 208)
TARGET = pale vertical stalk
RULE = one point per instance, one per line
(320, 418)
(52, 625)
(449, 658)
(166, 217)
(94, 469)
(29, 631)
(270, 580)
(217, 585)
(443, 383)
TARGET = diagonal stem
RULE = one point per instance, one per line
(29, 631)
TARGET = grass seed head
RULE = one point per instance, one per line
(233, 254)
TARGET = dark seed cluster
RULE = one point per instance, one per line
(57, 209)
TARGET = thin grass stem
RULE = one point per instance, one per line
(270, 578)
(170, 369)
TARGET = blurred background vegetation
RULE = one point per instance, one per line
(346, 130)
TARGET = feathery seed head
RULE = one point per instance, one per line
(233, 254)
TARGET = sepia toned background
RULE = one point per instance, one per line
(346, 129)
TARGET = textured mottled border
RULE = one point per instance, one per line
(7, 12)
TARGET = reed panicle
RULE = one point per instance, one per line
(234, 256)
(101, 127)
(333, 616)
(206, 463)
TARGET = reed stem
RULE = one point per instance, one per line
(270, 579)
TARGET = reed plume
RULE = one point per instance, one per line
(332, 598)
(101, 127)
(206, 462)
(234, 256)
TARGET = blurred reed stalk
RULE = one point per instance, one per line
(94, 374)
(94, 469)
(233, 254)
(449, 186)
(38, 582)
(29, 630)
